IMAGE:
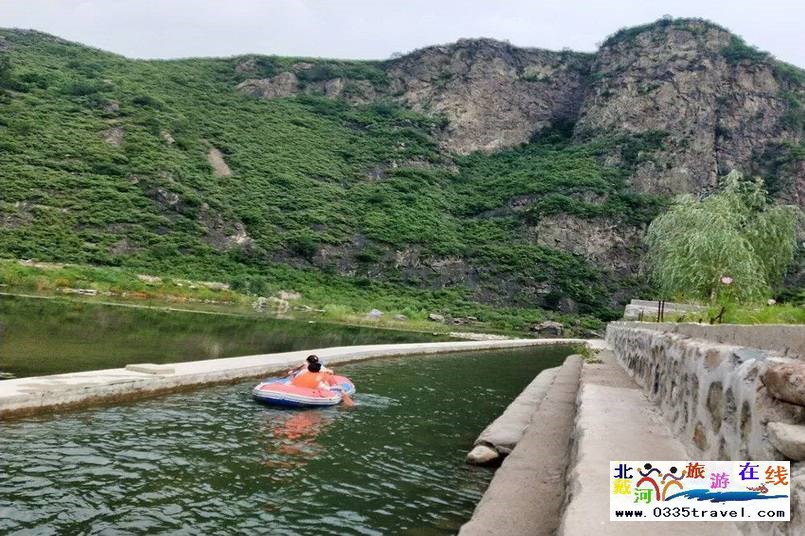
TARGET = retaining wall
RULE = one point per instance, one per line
(712, 392)
(728, 392)
(787, 339)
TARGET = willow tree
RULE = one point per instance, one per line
(733, 245)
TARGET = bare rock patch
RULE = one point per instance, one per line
(219, 165)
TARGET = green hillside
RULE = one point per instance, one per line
(104, 161)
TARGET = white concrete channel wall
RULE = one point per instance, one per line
(25, 396)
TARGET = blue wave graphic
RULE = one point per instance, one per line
(722, 496)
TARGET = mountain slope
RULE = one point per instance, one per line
(268, 172)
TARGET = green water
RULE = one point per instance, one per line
(40, 336)
(212, 461)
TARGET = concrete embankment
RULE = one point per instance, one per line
(38, 394)
(525, 496)
(499, 438)
(787, 339)
(659, 392)
(719, 386)
(556, 480)
(725, 392)
(616, 421)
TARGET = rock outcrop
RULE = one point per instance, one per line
(218, 164)
(494, 95)
(282, 85)
(607, 243)
(113, 136)
(709, 102)
(716, 112)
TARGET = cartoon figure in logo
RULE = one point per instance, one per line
(761, 488)
(673, 480)
(647, 478)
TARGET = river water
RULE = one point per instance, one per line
(212, 461)
(40, 336)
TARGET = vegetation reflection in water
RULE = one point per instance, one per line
(213, 461)
(40, 336)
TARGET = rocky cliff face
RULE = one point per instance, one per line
(676, 104)
(716, 103)
(492, 94)
(718, 111)
(519, 177)
(702, 102)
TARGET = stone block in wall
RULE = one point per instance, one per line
(786, 381)
(788, 439)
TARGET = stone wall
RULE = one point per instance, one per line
(727, 392)
(712, 394)
(787, 339)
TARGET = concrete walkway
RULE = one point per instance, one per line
(525, 496)
(37, 394)
(615, 421)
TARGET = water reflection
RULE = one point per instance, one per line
(290, 437)
(53, 336)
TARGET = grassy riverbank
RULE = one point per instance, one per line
(324, 301)
(322, 297)
(778, 313)
(783, 313)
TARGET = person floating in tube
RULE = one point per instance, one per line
(315, 378)
(303, 368)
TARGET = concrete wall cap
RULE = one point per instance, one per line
(151, 368)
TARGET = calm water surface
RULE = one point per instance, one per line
(214, 462)
(39, 336)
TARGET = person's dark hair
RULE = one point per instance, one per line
(312, 359)
(314, 367)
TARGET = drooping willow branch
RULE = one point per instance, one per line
(736, 232)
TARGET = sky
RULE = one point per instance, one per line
(374, 29)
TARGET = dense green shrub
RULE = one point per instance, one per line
(146, 101)
(6, 78)
(81, 87)
(322, 71)
(788, 73)
(737, 51)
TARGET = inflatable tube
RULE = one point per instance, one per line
(346, 384)
(281, 392)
